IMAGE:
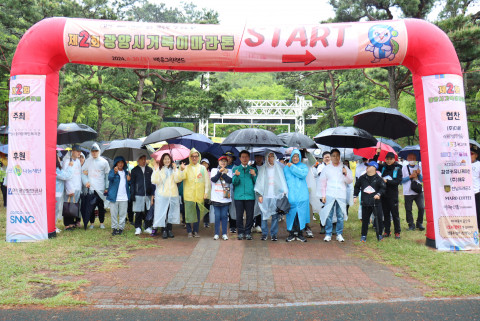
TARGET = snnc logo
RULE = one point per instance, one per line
(17, 170)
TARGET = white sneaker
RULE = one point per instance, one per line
(327, 238)
(138, 231)
(102, 226)
(258, 229)
(91, 226)
(216, 237)
(224, 237)
(57, 230)
(340, 238)
(148, 231)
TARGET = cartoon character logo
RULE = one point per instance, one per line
(17, 170)
(382, 45)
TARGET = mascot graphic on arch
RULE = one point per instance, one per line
(382, 44)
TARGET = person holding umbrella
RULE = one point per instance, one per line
(372, 188)
(299, 215)
(73, 185)
(413, 172)
(167, 199)
(334, 181)
(95, 178)
(196, 188)
(118, 194)
(244, 178)
(391, 173)
(141, 193)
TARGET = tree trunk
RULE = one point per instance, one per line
(138, 99)
(392, 89)
(99, 106)
(333, 99)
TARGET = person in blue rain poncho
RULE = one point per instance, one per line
(296, 176)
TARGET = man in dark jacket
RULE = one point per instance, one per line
(141, 194)
(391, 173)
(372, 188)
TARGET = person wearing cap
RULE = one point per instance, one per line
(95, 178)
(334, 182)
(244, 178)
(141, 194)
(73, 185)
(410, 172)
(206, 219)
(221, 178)
(372, 187)
(474, 152)
(269, 187)
(231, 210)
(391, 173)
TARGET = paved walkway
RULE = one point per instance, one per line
(201, 271)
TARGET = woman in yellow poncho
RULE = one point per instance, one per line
(196, 188)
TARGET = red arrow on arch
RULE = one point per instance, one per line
(307, 58)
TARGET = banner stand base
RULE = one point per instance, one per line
(52, 235)
(430, 243)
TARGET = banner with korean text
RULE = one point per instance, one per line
(450, 164)
(26, 207)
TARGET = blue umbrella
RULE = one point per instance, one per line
(396, 147)
(415, 149)
(198, 141)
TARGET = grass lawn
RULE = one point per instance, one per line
(50, 273)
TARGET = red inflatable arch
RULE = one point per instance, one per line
(416, 44)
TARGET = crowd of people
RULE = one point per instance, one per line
(251, 196)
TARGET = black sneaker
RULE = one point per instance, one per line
(164, 234)
(264, 238)
(411, 227)
(248, 237)
(119, 232)
(170, 234)
(290, 238)
(233, 230)
(274, 238)
(206, 225)
(114, 232)
(420, 227)
(309, 233)
(301, 238)
(240, 236)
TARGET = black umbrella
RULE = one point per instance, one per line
(166, 133)
(250, 137)
(386, 122)
(130, 149)
(73, 133)
(4, 130)
(211, 158)
(87, 207)
(297, 140)
(345, 137)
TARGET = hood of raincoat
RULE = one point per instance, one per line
(266, 159)
(95, 147)
(296, 152)
(193, 151)
(262, 183)
(120, 158)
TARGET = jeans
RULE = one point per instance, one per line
(408, 208)
(246, 206)
(196, 224)
(273, 227)
(329, 225)
(221, 216)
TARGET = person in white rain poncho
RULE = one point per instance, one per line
(334, 182)
(270, 186)
(167, 200)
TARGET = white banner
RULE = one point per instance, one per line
(453, 198)
(26, 207)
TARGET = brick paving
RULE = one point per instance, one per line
(202, 271)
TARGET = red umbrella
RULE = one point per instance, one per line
(178, 152)
(369, 152)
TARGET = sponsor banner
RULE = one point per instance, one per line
(215, 47)
(453, 199)
(26, 207)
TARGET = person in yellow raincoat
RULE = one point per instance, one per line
(196, 188)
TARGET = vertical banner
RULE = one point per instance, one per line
(26, 207)
(453, 199)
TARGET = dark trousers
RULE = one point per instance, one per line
(378, 219)
(258, 220)
(4, 193)
(141, 217)
(296, 225)
(130, 212)
(101, 210)
(408, 208)
(248, 207)
(390, 206)
(477, 204)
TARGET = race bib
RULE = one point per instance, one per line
(369, 190)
